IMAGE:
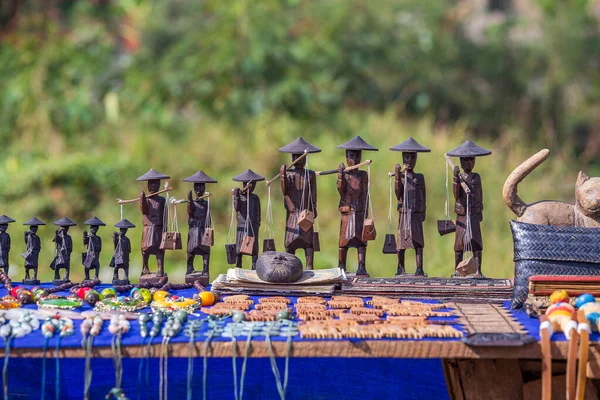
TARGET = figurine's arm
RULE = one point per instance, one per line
(115, 238)
(424, 197)
(341, 182)
(313, 191)
(86, 238)
(68, 244)
(98, 249)
(398, 185)
(143, 203)
(480, 195)
(236, 199)
(456, 184)
(283, 172)
(190, 206)
(8, 242)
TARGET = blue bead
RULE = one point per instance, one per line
(584, 299)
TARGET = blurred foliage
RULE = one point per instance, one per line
(93, 93)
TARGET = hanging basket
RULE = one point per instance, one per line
(306, 220)
(247, 245)
(446, 226)
(171, 241)
(467, 266)
(231, 253)
(208, 237)
(316, 242)
(389, 244)
(269, 245)
(368, 231)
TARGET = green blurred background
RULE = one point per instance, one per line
(94, 93)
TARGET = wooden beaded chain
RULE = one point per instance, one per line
(22, 326)
(90, 328)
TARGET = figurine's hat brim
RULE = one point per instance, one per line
(5, 219)
(200, 177)
(299, 146)
(64, 222)
(248, 176)
(469, 149)
(35, 222)
(357, 143)
(94, 221)
(124, 223)
(153, 175)
(410, 145)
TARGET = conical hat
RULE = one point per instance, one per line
(410, 145)
(64, 222)
(34, 222)
(248, 176)
(357, 143)
(152, 175)
(469, 149)
(298, 146)
(94, 221)
(124, 223)
(200, 177)
(5, 219)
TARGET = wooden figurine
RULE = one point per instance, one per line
(247, 206)
(412, 204)
(299, 187)
(4, 242)
(353, 187)
(468, 195)
(91, 258)
(122, 246)
(153, 218)
(33, 245)
(200, 234)
(63, 249)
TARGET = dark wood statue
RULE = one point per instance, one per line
(412, 204)
(91, 258)
(200, 234)
(63, 250)
(353, 189)
(4, 242)
(299, 188)
(153, 219)
(247, 206)
(122, 250)
(33, 245)
(468, 206)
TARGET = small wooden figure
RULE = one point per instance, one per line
(299, 187)
(120, 259)
(153, 218)
(91, 258)
(200, 234)
(63, 249)
(354, 196)
(468, 206)
(247, 206)
(412, 204)
(4, 242)
(33, 247)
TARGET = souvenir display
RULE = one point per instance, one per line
(468, 195)
(153, 208)
(247, 206)
(63, 250)
(4, 242)
(200, 233)
(122, 250)
(412, 204)
(33, 247)
(91, 258)
(299, 188)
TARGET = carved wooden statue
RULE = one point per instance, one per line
(468, 206)
(91, 258)
(33, 245)
(4, 242)
(153, 219)
(122, 250)
(412, 204)
(353, 189)
(64, 248)
(200, 236)
(247, 206)
(299, 187)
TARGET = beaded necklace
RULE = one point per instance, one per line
(172, 327)
(90, 328)
(117, 327)
(190, 330)
(64, 326)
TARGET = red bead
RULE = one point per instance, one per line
(13, 291)
(81, 292)
(174, 298)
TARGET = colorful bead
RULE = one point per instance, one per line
(82, 291)
(108, 293)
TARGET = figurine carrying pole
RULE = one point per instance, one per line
(91, 258)
(299, 188)
(412, 204)
(122, 250)
(63, 250)
(353, 187)
(4, 242)
(33, 245)
(247, 206)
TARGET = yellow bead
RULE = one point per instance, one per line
(159, 295)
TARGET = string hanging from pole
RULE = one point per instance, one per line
(390, 213)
